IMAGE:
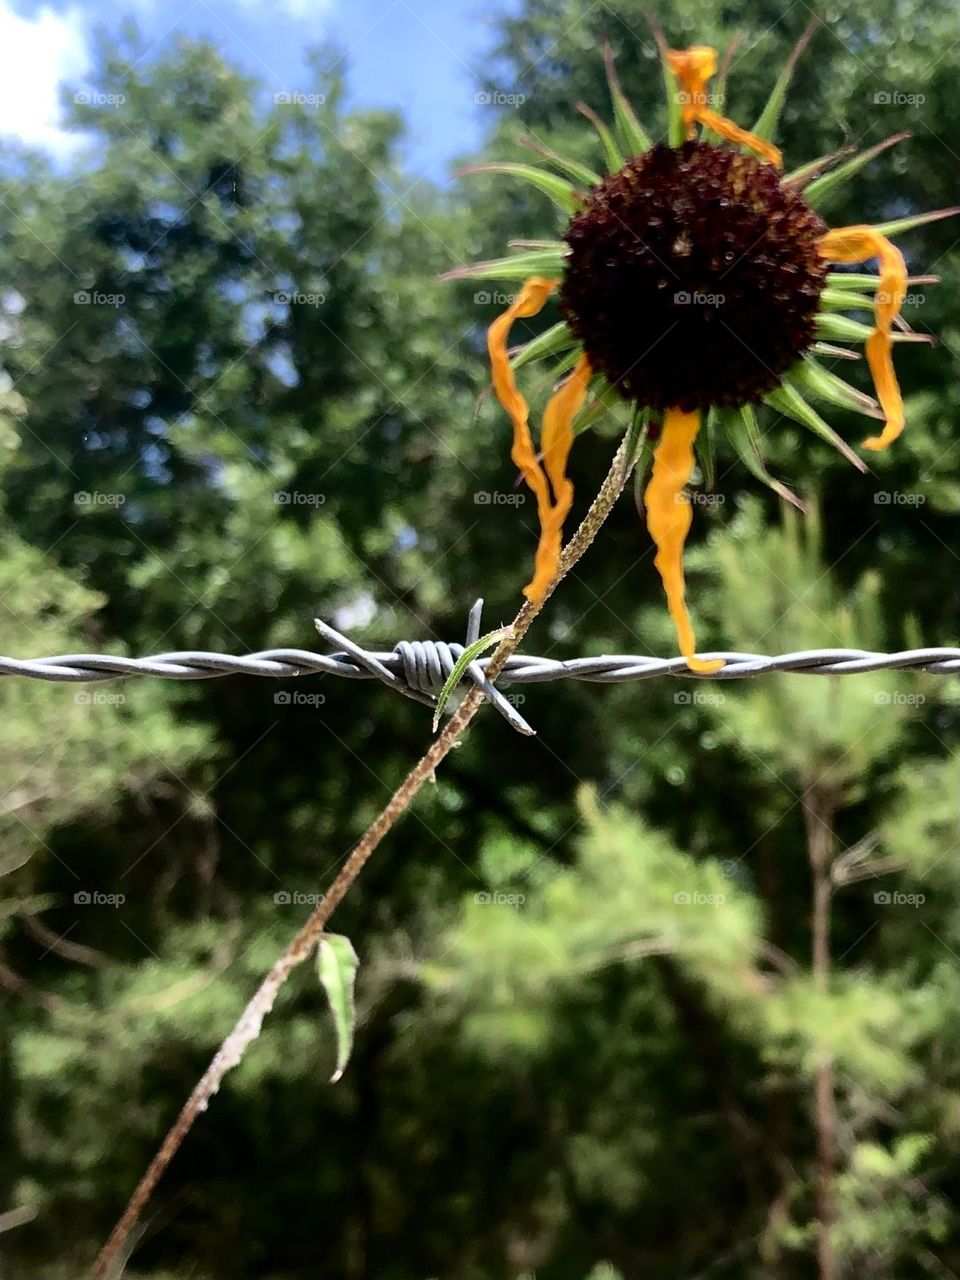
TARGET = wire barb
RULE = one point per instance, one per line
(418, 669)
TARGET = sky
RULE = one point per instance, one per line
(422, 57)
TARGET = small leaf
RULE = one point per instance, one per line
(559, 191)
(459, 667)
(337, 966)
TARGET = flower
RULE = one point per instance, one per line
(694, 283)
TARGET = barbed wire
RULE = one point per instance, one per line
(418, 669)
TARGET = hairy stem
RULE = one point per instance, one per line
(248, 1025)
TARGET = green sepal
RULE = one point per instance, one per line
(574, 170)
(705, 450)
(821, 187)
(847, 299)
(744, 432)
(558, 189)
(788, 400)
(843, 329)
(612, 153)
(899, 225)
(810, 376)
(549, 343)
(630, 132)
(545, 262)
(769, 117)
(605, 400)
(676, 133)
(807, 172)
(720, 88)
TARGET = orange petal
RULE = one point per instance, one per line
(557, 433)
(556, 440)
(857, 244)
(694, 69)
(669, 515)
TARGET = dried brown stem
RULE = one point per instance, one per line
(248, 1026)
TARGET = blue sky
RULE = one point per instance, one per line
(422, 57)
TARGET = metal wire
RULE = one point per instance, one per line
(418, 669)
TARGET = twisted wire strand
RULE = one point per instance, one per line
(418, 669)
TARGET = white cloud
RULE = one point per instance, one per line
(36, 54)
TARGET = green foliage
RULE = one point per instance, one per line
(598, 1071)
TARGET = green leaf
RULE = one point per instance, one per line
(788, 400)
(706, 450)
(769, 118)
(549, 343)
(744, 432)
(821, 187)
(560, 192)
(611, 151)
(459, 667)
(545, 262)
(337, 966)
(631, 133)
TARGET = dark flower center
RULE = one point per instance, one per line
(693, 277)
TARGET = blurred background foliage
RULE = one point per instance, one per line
(656, 993)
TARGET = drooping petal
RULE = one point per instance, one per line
(858, 244)
(556, 441)
(694, 68)
(557, 436)
(669, 516)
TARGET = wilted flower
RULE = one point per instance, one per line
(693, 280)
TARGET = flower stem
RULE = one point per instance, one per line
(248, 1025)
